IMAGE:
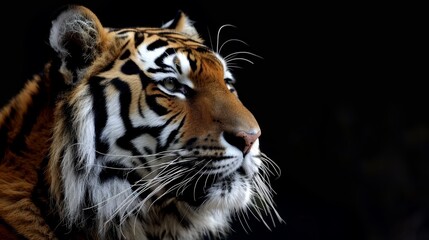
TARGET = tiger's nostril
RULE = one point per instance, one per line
(242, 140)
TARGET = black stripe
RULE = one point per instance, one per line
(202, 49)
(155, 106)
(192, 63)
(125, 141)
(144, 79)
(178, 68)
(157, 44)
(174, 133)
(126, 54)
(148, 150)
(160, 148)
(138, 39)
(124, 99)
(159, 70)
(130, 68)
(100, 113)
(68, 113)
(159, 61)
(141, 96)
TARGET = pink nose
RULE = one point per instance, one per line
(249, 139)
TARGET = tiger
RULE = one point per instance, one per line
(130, 133)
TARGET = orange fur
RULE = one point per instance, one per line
(18, 169)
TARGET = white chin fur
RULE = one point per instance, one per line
(236, 199)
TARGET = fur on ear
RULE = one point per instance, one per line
(78, 37)
(183, 24)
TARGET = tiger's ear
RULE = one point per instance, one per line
(183, 24)
(77, 37)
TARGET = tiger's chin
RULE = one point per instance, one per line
(231, 192)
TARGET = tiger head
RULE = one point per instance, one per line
(150, 138)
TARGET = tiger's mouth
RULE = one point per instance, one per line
(212, 178)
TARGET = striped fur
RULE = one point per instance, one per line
(133, 133)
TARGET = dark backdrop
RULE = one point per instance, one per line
(339, 95)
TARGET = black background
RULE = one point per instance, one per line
(339, 94)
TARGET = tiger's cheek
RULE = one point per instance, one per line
(198, 130)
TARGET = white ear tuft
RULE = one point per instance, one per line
(183, 24)
(78, 38)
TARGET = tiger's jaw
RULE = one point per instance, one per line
(209, 181)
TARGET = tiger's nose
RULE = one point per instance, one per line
(249, 139)
(243, 140)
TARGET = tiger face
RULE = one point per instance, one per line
(150, 137)
(200, 130)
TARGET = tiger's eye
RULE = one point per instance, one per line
(170, 83)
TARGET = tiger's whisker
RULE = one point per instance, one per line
(242, 59)
(218, 35)
(230, 40)
(229, 56)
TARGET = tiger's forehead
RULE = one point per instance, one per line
(164, 53)
(160, 37)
